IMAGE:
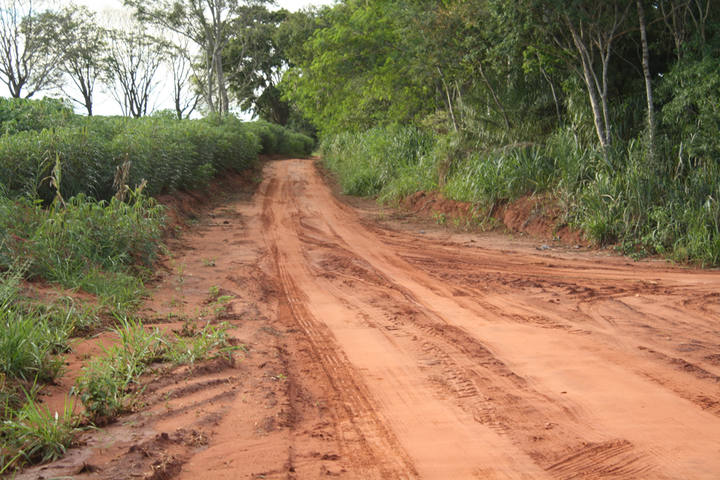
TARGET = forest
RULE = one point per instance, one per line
(610, 108)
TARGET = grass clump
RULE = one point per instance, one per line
(33, 434)
(109, 384)
(31, 339)
(105, 385)
(84, 243)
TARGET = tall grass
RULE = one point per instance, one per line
(167, 154)
(641, 204)
(83, 243)
(380, 160)
(501, 175)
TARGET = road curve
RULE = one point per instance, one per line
(471, 360)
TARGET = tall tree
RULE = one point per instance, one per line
(131, 65)
(646, 75)
(256, 61)
(588, 32)
(86, 49)
(206, 23)
(30, 47)
(185, 100)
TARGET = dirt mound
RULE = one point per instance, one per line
(539, 216)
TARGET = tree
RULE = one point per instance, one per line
(359, 67)
(131, 64)
(86, 49)
(206, 23)
(646, 75)
(256, 62)
(184, 100)
(587, 33)
(30, 47)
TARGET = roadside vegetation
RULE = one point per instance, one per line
(610, 108)
(78, 214)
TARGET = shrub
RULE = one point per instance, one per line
(369, 162)
(20, 114)
(275, 139)
(85, 243)
(166, 153)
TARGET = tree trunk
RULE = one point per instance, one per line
(648, 83)
(222, 87)
(495, 97)
(210, 81)
(592, 87)
(449, 101)
(552, 89)
(604, 96)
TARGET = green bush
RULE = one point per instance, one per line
(275, 139)
(367, 163)
(20, 114)
(84, 243)
(166, 153)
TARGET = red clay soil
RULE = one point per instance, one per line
(391, 350)
(538, 216)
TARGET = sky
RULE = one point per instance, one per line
(105, 104)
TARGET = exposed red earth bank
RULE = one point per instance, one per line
(379, 348)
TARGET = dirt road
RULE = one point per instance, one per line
(400, 353)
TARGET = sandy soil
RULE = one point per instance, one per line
(378, 348)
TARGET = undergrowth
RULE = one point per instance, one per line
(642, 205)
(84, 243)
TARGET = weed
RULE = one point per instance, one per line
(28, 341)
(109, 384)
(105, 384)
(34, 434)
(221, 304)
(210, 342)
